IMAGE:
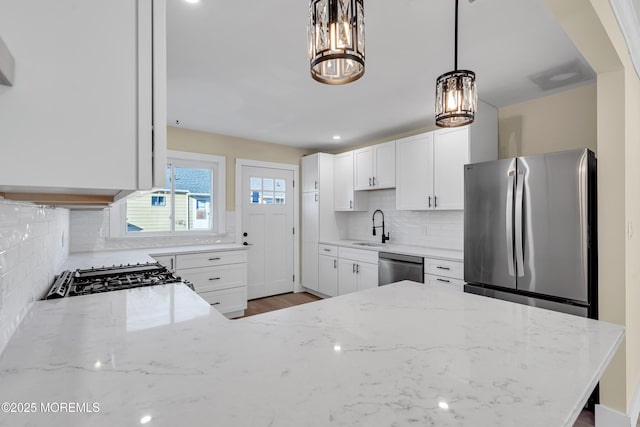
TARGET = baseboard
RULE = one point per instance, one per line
(607, 417)
(316, 293)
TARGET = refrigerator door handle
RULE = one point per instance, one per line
(518, 225)
(509, 222)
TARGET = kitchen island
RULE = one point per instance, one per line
(403, 354)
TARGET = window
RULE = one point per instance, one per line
(191, 201)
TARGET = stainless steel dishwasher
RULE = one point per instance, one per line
(395, 267)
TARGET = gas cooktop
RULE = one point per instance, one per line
(115, 278)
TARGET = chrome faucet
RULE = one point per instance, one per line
(384, 238)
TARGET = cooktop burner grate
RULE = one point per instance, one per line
(106, 279)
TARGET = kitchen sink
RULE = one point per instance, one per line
(375, 245)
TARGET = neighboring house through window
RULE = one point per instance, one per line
(192, 200)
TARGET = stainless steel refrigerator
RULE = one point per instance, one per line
(530, 231)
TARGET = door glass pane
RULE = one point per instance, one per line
(267, 197)
(255, 183)
(281, 185)
(267, 184)
(280, 199)
(192, 190)
(151, 212)
(255, 197)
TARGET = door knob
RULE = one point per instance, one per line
(245, 234)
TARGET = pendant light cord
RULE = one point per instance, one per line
(455, 49)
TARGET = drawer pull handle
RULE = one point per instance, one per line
(443, 268)
(443, 280)
(214, 259)
(216, 303)
(214, 278)
(327, 250)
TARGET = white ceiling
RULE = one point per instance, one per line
(241, 68)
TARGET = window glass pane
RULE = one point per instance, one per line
(267, 183)
(255, 183)
(192, 193)
(280, 199)
(267, 197)
(150, 212)
(255, 197)
(281, 185)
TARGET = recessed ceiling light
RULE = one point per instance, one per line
(145, 419)
(192, 1)
(336, 137)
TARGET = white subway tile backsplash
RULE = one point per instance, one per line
(34, 242)
(441, 229)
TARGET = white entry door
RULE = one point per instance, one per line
(267, 228)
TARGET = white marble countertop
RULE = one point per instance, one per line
(401, 354)
(423, 251)
(132, 256)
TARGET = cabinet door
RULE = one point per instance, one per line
(310, 235)
(77, 93)
(343, 199)
(414, 173)
(385, 166)
(310, 173)
(450, 154)
(367, 276)
(363, 168)
(328, 275)
(347, 279)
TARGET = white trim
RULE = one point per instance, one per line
(607, 417)
(297, 287)
(627, 17)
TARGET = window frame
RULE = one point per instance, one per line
(217, 164)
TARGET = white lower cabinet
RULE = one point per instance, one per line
(357, 270)
(328, 275)
(445, 274)
(220, 278)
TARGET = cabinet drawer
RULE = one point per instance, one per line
(227, 300)
(207, 259)
(206, 279)
(439, 267)
(444, 282)
(362, 255)
(329, 250)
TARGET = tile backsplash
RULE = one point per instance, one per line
(90, 232)
(34, 242)
(440, 229)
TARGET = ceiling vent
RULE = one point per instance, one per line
(563, 75)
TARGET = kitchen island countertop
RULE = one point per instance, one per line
(401, 354)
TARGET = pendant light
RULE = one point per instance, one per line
(336, 40)
(456, 93)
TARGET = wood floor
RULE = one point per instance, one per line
(278, 302)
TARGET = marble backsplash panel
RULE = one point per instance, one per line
(90, 232)
(34, 242)
(440, 229)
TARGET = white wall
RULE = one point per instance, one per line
(90, 232)
(34, 242)
(440, 229)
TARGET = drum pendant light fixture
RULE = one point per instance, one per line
(456, 93)
(336, 40)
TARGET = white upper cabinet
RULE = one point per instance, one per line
(310, 173)
(375, 167)
(89, 89)
(345, 197)
(414, 165)
(430, 166)
(450, 154)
